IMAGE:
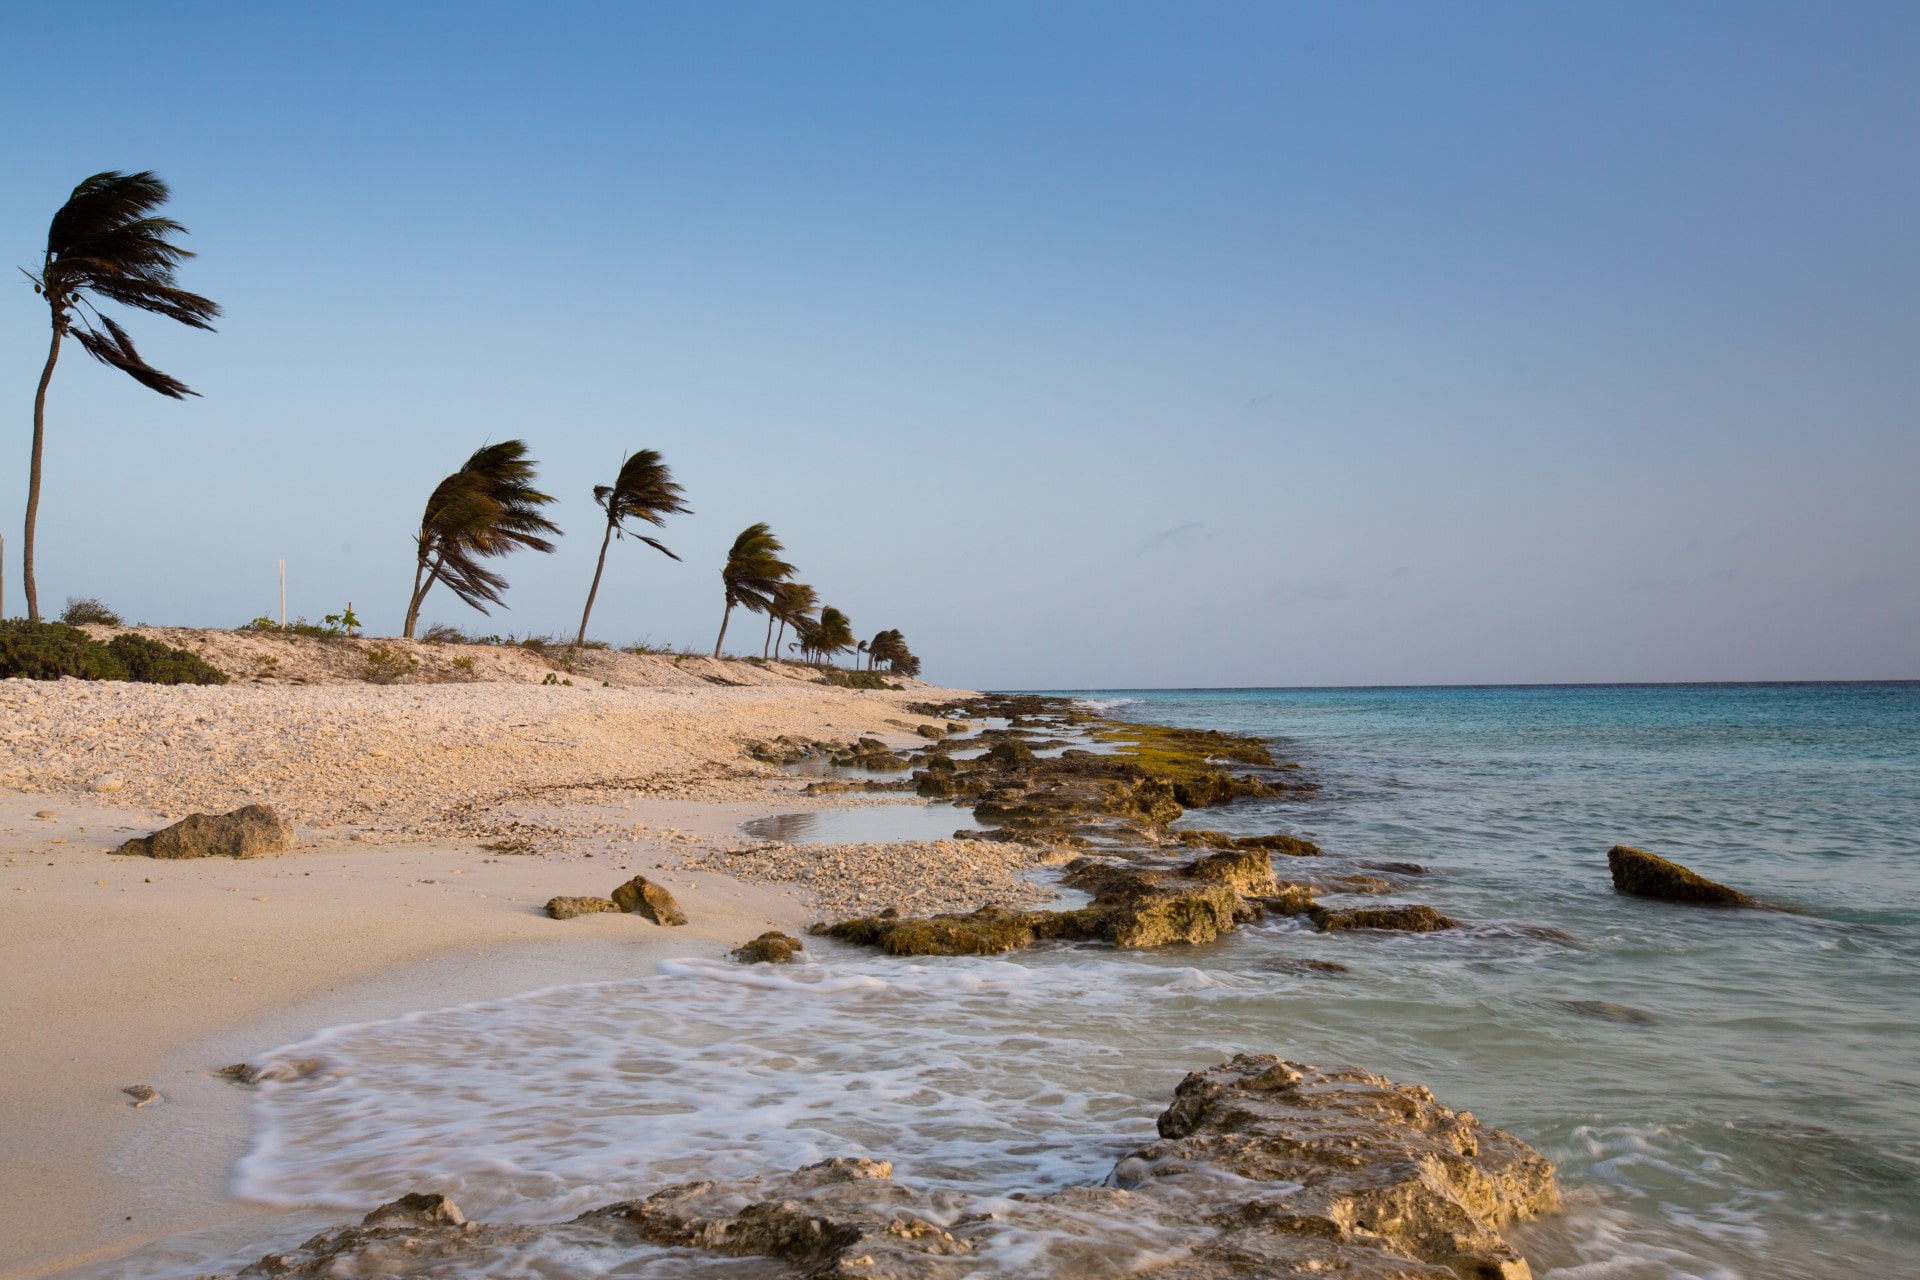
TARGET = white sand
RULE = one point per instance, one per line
(122, 971)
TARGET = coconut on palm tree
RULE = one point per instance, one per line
(106, 245)
(751, 575)
(484, 510)
(644, 490)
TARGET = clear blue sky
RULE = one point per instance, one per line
(1089, 344)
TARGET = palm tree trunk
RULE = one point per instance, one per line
(767, 648)
(723, 629)
(420, 589)
(33, 475)
(594, 590)
(781, 639)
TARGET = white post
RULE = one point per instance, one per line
(283, 594)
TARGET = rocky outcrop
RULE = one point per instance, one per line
(1647, 875)
(1410, 918)
(771, 947)
(1375, 1174)
(568, 908)
(643, 897)
(244, 833)
(1262, 1167)
(1131, 908)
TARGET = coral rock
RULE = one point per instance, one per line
(643, 897)
(244, 833)
(1647, 875)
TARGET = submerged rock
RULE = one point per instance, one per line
(1411, 918)
(1647, 875)
(1262, 1167)
(771, 947)
(243, 833)
(643, 897)
(568, 908)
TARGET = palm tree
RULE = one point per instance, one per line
(752, 573)
(487, 508)
(105, 245)
(833, 633)
(885, 647)
(644, 490)
(793, 603)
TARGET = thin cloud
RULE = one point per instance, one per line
(1168, 537)
(1287, 592)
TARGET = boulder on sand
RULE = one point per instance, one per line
(1647, 875)
(244, 833)
(771, 947)
(568, 908)
(643, 897)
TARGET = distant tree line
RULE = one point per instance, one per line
(108, 244)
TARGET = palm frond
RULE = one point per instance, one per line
(116, 349)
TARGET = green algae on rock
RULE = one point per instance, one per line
(1648, 875)
(568, 908)
(1411, 918)
(771, 947)
(643, 897)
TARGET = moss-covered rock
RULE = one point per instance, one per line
(1410, 918)
(771, 947)
(1245, 871)
(1647, 875)
(568, 908)
(641, 896)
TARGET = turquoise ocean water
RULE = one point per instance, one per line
(1728, 1094)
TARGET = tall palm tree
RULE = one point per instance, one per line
(794, 604)
(833, 633)
(104, 244)
(644, 490)
(487, 508)
(752, 573)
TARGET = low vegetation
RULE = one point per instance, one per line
(86, 611)
(53, 650)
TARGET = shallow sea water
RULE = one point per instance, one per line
(1727, 1093)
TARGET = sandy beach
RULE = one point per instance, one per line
(432, 821)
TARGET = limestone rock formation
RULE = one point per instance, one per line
(1263, 1167)
(771, 947)
(568, 908)
(1647, 875)
(244, 833)
(643, 897)
(1410, 918)
(1375, 1174)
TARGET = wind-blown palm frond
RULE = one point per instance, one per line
(752, 574)
(485, 510)
(832, 633)
(105, 244)
(794, 604)
(644, 490)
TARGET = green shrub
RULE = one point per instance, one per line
(387, 666)
(50, 650)
(854, 679)
(85, 611)
(298, 627)
(150, 662)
